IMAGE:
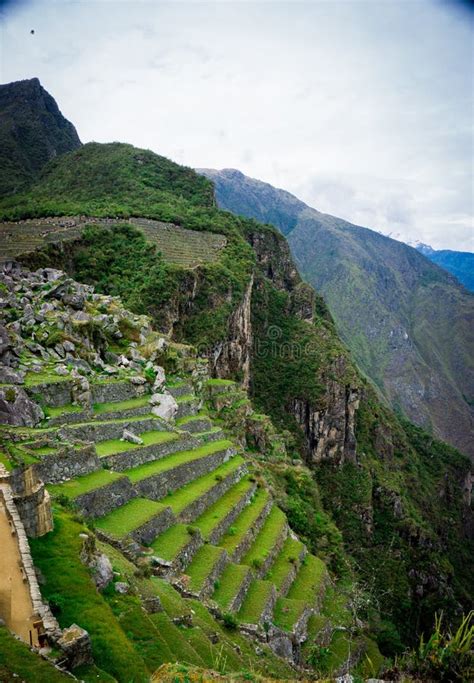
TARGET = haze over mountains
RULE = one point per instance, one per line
(458, 263)
(408, 322)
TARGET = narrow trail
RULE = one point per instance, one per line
(16, 607)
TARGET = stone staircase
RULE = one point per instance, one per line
(185, 498)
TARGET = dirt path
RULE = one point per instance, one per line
(16, 608)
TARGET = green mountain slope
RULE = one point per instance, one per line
(32, 131)
(458, 263)
(409, 324)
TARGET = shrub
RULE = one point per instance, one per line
(10, 395)
(230, 621)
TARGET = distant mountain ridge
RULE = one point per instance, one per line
(32, 132)
(408, 322)
(458, 263)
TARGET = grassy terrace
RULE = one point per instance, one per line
(257, 597)
(287, 612)
(244, 521)
(151, 438)
(186, 398)
(34, 378)
(169, 544)
(212, 516)
(266, 539)
(130, 516)
(186, 495)
(68, 409)
(285, 561)
(152, 468)
(219, 383)
(77, 487)
(139, 402)
(308, 581)
(229, 583)
(182, 421)
(201, 566)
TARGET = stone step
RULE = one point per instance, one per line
(286, 565)
(174, 549)
(216, 520)
(267, 543)
(98, 493)
(180, 389)
(112, 429)
(247, 525)
(156, 479)
(190, 501)
(187, 405)
(232, 587)
(140, 518)
(257, 607)
(292, 616)
(205, 568)
(112, 390)
(121, 409)
(219, 386)
(214, 434)
(195, 423)
(310, 582)
(128, 455)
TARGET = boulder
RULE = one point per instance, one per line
(121, 587)
(102, 571)
(164, 406)
(10, 376)
(160, 377)
(17, 409)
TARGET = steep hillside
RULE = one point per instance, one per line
(32, 131)
(408, 323)
(458, 263)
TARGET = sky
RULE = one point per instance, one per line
(361, 108)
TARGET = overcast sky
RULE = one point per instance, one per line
(362, 109)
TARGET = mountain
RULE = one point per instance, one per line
(32, 131)
(227, 489)
(408, 323)
(458, 263)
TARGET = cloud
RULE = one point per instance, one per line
(363, 109)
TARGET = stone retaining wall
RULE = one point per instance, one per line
(158, 486)
(212, 577)
(200, 425)
(239, 597)
(138, 456)
(119, 414)
(103, 431)
(155, 526)
(186, 554)
(103, 500)
(69, 418)
(197, 507)
(267, 563)
(220, 528)
(291, 576)
(67, 463)
(249, 537)
(111, 391)
(182, 390)
(187, 408)
(54, 394)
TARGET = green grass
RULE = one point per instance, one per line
(169, 543)
(152, 468)
(267, 537)
(201, 565)
(62, 410)
(34, 378)
(184, 496)
(151, 438)
(257, 597)
(191, 418)
(308, 582)
(212, 516)
(43, 450)
(187, 398)
(17, 662)
(219, 382)
(68, 584)
(129, 404)
(89, 482)
(285, 561)
(287, 612)
(130, 516)
(229, 583)
(244, 521)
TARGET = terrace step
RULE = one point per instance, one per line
(268, 543)
(112, 390)
(174, 549)
(310, 581)
(240, 536)
(258, 604)
(122, 455)
(179, 389)
(156, 479)
(232, 587)
(229, 399)
(207, 565)
(194, 423)
(98, 493)
(66, 414)
(121, 409)
(292, 616)
(112, 429)
(215, 521)
(214, 434)
(141, 519)
(190, 501)
(286, 565)
(219, 386)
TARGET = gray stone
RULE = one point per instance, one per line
(164, 406)
(121, 587)
(138, 380)
(17, 409)
(61, 370)
(69, 346)
(10, 376)
(130, 436)
(103, 572)
(76, 646)
(160, 378)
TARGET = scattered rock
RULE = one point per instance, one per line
(17, 409)
(61, 370)
(121, 587)
(164, 406)
(130, 436)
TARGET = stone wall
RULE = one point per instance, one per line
(248, 539)
(138, 456)
(32, 501)
(157, 486)
(200, 425)
(102, 431)
(147, 533)
(54, 394)
(214, 574)
(267, 563)
(103, 500)
(67, 463)
(112, 391)
(239, 597)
